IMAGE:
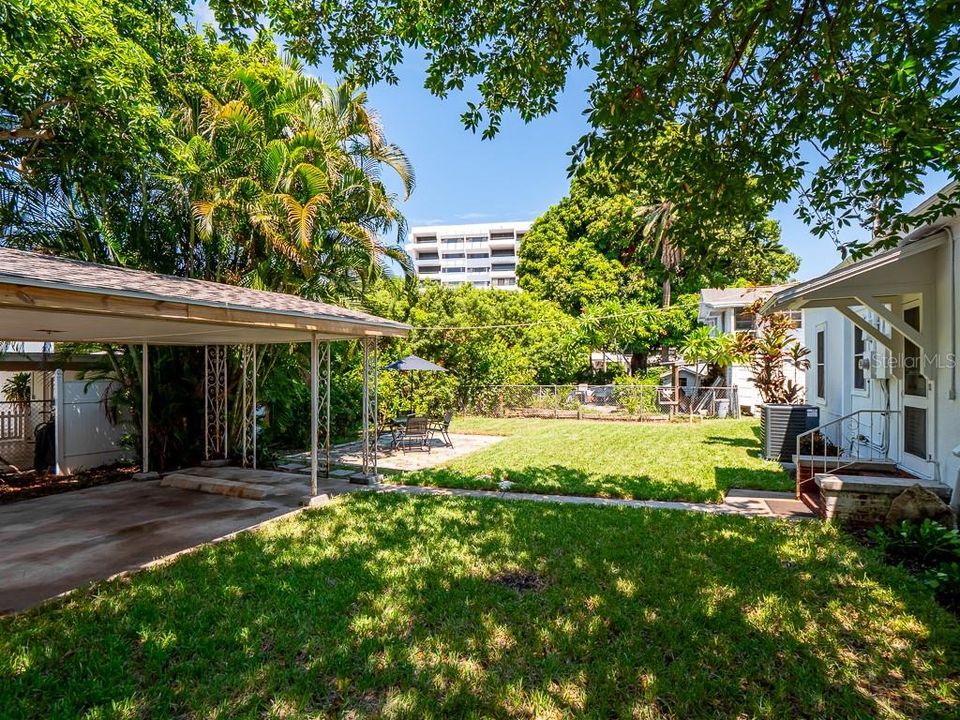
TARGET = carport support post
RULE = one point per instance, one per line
(370, 416)
(314, 412)
(145, 407)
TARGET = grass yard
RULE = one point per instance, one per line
(402, 607)
(680, 461)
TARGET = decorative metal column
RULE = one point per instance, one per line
(319, 411)
(248, 403)
(216, 443)
(370, 418)
(323, 430)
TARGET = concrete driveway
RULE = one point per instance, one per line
(53, 544)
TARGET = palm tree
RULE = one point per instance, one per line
(296, 185)
(657, 221)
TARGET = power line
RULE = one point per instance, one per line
(582, 318)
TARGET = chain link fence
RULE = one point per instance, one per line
(603, 402)
(21, 423)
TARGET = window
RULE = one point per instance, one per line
(913, 381)
(453, 270)
(822, 364)
(452, 240)
(503, 267)
(453, 256)
(428, 256)
(425, 238)
(915, 431)
(503, 253)
(477, 256)
(743, 321)
(796, 318)
(505, 282)
(429, 269)
(859, 375)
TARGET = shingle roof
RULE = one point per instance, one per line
(738, 297)
(38, 270)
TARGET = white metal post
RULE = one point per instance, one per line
(145, 406)
(326, 423)
(253, 409)
(244, 360)
(314, 413)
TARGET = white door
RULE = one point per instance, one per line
(916, 420)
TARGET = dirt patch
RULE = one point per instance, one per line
(519, 580)
(27, 485)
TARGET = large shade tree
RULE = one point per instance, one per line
(610, 237)
(739, 90)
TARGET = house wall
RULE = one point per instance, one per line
(842, 399)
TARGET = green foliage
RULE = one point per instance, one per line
(638, 328)
(769, 351)
(709, 99)
(17, 388)
(924, 544)
(638, 394)
(930, 550)
(599, 243)
(508, 338)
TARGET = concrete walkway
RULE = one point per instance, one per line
(752, 503)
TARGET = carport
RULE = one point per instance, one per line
(47, 298)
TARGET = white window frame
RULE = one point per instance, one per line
(822, 399)
(865, 390)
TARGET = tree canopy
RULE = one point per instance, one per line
(589, 248)
(730, 90)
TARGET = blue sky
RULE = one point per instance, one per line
(516, 176)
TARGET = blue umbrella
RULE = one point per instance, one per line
(413, 363)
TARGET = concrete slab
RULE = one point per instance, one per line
(388, 458)
(54, 544)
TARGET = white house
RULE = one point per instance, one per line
(725, 310)
(883, 335)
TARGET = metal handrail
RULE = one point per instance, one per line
(848, 448)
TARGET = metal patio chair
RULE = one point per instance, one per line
(417, 433)
(442, 426)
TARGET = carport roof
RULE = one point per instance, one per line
(43, 297)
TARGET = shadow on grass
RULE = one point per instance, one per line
(752, 479)
(382, 605)
(563, 480)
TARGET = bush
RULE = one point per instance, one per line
(928, 549)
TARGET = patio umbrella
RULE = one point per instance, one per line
(412, 363)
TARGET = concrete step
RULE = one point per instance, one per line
(217, 486)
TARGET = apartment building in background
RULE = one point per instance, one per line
(483, 255)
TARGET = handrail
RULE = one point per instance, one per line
(844, 450)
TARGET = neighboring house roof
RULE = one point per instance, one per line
(714, 299)
(32, 282)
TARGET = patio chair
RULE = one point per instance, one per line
(416, 433)
(388, 428)
(442, 426)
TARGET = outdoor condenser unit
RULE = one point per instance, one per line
(780, 425)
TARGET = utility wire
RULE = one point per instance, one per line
(582, 318)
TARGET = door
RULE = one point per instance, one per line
(916, 419)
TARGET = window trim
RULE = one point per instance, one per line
(820, 367)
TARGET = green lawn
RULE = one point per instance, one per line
(392, 606)
(644, 461)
